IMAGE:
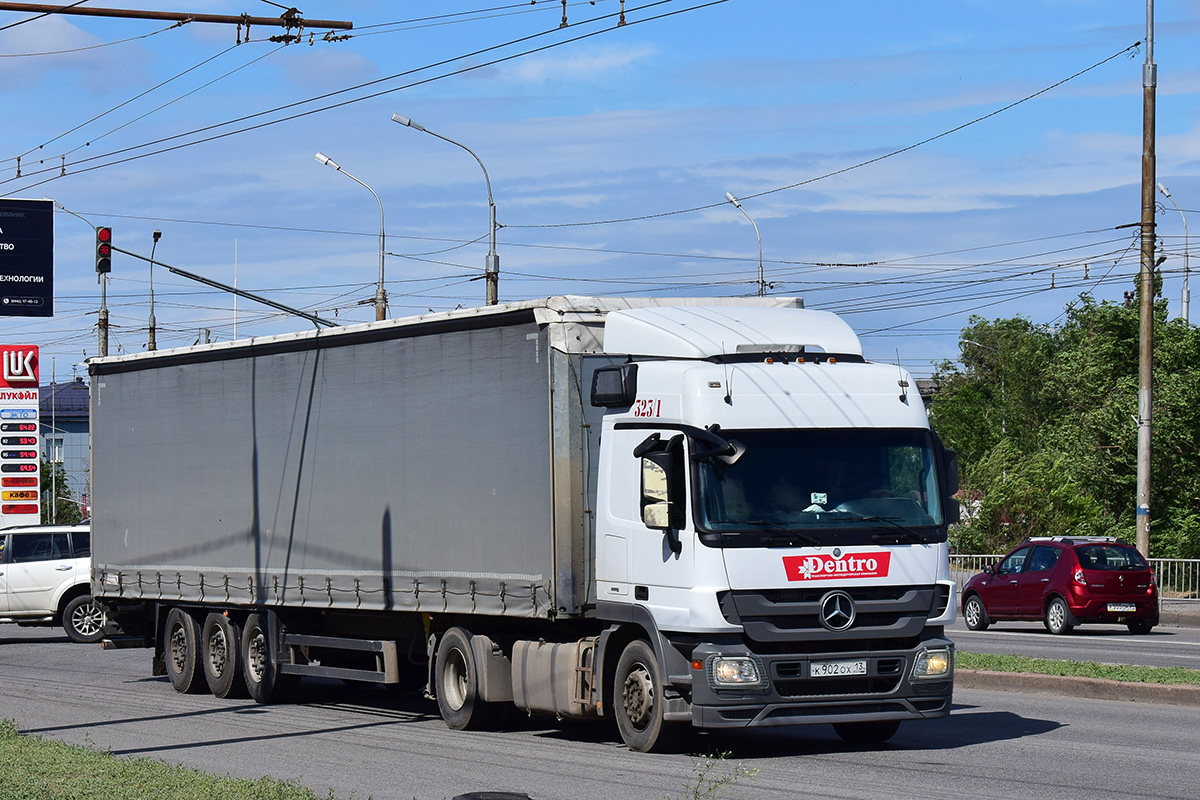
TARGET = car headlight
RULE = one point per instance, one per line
(735, 672)
(937, 663)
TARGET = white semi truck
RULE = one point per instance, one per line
(711, 513)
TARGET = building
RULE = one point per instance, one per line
(66, 435)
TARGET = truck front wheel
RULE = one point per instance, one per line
(221, 647)
(638, 698)
(458, 684)
(182, 652)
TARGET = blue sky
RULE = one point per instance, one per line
(1014, 214)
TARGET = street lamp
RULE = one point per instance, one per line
(762, 286)
(491, 268)
(380, 295)
(152, 344)
(1187, 293)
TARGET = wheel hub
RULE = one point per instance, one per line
(637, 695)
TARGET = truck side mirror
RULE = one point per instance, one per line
(655, 501)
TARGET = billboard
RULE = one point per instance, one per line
(20, 450)
(26, 258)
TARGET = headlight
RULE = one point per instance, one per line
(933, 664)
(728, 672)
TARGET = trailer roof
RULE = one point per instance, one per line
(566, 309)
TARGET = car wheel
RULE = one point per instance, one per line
(83, 620)
(260, 673)
(220, 656)
(866, 732)
(1139, 626)
(1058, 617)
(638, 699)
(182, 652)
(974, 614)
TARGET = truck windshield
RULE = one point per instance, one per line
(808, 481)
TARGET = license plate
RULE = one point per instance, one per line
(1118, 607)
(833, 669)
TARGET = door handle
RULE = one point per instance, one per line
(63, 567)
(1012, 583)
(1045, 580)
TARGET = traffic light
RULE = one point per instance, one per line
(103, 250)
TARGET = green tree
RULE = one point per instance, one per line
(1045, 422)
(54, 482)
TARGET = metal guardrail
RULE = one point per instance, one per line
(1178, 578)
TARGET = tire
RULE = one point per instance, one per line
(260, 674)
(181, 646)
(975, 615)
(866, 732)
(1058, 617)
(457, 684)
(638, 699)
(1140, 626)
(83, 620)
(221, 656)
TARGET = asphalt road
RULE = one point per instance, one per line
(1110, 644)
(374, 743)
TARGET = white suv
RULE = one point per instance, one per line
(45, 578)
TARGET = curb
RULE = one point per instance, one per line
(1179, 619)
(1073, 686)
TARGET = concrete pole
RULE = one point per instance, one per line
(1146, 291)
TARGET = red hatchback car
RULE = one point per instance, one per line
(1065, 581)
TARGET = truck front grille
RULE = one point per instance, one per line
(790, 615)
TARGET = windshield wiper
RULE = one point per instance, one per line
(898, 531)
(788, 537)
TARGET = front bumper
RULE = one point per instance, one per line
(791, 697)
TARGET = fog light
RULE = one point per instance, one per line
(740, 671)
(933, 663)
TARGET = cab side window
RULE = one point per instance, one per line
(1014, 562)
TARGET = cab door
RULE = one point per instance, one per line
(38, 563)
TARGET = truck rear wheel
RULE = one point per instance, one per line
(458, 684)
(182, 652)
(638, 698)
(261, 674)
(220, 655)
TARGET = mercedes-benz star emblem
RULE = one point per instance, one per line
(837, 611)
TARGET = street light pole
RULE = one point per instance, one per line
(1187, 292)
(380, 294)
(152, 344)
(491, 265)
(762, 285)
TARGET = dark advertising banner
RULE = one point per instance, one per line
(26, 258)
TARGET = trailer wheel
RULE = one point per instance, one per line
(638, 698)
(83, 620)
(220, 655)
(458, 684)
(182, 652)
(260, 673)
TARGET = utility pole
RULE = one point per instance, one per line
(1146, 291)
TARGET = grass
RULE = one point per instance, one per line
(32, 768)
(1085, 669)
